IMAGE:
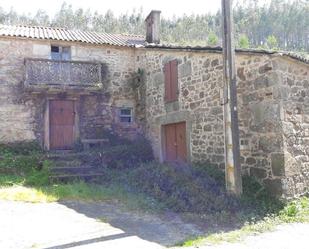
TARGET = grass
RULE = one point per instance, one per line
(293, 211)
(197, 193)
(13, 188)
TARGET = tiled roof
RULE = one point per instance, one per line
(218, 49)
(61, 34)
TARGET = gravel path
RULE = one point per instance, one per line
(86, 225)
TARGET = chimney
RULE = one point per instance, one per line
(153, 27)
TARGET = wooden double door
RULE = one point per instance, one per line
(175, 142)
(61, 124)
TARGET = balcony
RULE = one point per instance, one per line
(53, 75)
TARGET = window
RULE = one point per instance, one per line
(60, 53)
(126, 115)
(171, 81)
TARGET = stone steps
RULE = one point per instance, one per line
(68, 167)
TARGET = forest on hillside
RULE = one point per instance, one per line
(278, 25)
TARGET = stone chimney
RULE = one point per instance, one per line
(153, 27)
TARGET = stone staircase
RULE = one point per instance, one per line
(70, 166)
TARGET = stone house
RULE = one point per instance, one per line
(60, 86)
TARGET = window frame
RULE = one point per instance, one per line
(60, 52)
(120, 116)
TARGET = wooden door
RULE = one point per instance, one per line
(181, 147)
(61, 119)
(170, 143)
(175, 142)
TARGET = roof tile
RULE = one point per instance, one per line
(48, 33)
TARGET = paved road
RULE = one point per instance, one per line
(86, 225)
(108, 225)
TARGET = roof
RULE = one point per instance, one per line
(91, 37)
(291, 55)
(62, 34)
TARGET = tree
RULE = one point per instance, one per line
(243, 41)
(287, 21)
(271, 42)
(212, 39)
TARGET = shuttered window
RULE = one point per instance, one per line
(171, 81)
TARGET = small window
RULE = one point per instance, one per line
(171, 81)
(125, 115)
(60, 53)
(54, 49)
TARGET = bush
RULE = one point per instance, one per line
(181, 188)
(128, 155)
(206, 169)
(257, 197)
(20, 148)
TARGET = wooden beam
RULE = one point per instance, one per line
(232, 151)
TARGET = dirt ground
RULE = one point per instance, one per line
(73, 224)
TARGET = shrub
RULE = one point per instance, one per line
(24, 160)
(181, 188)
(128, 155)
(20, 148)
(206, 169)
(38, 176)
(257, 197)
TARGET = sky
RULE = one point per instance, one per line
(169, 8)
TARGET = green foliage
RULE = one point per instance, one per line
(20, 148)
(292, 211)
(24, 161)
(243, 41)
(271, 42)
(286, 20)
(38, 176)
(256, 196)
(181, 188)
(296, 211)
(212, 39)
(128, 155)
(206, 169)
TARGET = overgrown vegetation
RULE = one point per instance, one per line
(196, 192)
(127, 156)
(294, 211)
(24, 161)
(275, 24)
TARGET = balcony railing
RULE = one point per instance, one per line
(49, 73)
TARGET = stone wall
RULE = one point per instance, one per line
(272, 94)
(100, 112)
(17, 112)
(22, 112)
(294, 176)
(200, 78)
(261, 95)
